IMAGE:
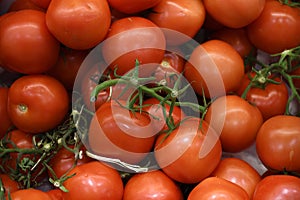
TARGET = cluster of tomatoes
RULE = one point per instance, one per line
(132, 99)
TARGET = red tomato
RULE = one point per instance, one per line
(9, 184)
(94, 181)
(134, 38)
(37, 103)
(154, 185)
(33, 194)
(42, 3)
(55, 194)
(271, 100)
(217, 188)
(23, 4)
(5, 119)
(278, 143)
(236, 121)
(132, 6)
(276, 29)
(296, 81)
(278, 187)
(239, 172)
(181, 16)
(234, 14)
(80, 24)
(207, 68)
(26, 44)
(180, 154)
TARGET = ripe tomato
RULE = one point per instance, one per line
(116, 132)
(55, 194)
(9, 184)
(296, 81)
(182, 151)
(80, 24)
(33, 194)
(282, 21)
(37, 103)
(134, 38)
(5, 119)
(278, 187)
(236, 121)
(23, 4)
(183, 16)
(26, 44)
(93, 181)
(234, 14)
(154, 185)
(42, 3)
(132, 6)
(208, 68)
(239, 172)
(217, 188)
(278, 143)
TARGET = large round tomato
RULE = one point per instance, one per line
(217, 188)
(5, 119)
(184, 155)
(234, 14)
(278, 143)
(208, 68)
(276, 29)
(236, 120)
(78, 24)
(33, 194)
(8, 184)
(26, 44)
(37, 103)
(93, 181)
(132, 6)
(154, 185)
(278, 187)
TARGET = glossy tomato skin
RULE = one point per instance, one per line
(180, 152)
(234, 14)
(9, 184)
(241, 122)
(208, 67)
(239, 172)
(79, 24)
(282, 21)
(34, 194)
(93, 181)
(5, 119)
(26, 44)
(153, 185)
(183, 16)
(217, 188)
(278, 187)
(132, 6)
(37, 103)
(55, 194)
(278, 143)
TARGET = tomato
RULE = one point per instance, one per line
(5, 119)
(270, 100)
(182, 151)
(119, 133)
(217, 188)
(55, 194)
(181, 16)
(276, 29)
(239, 172)
(132, 6)
(26, 44)
(23, 4)
(80, 24)
(234, 14)
(278, 143)
(208, 67)
(37, 103)
(9, 184)
(42, 3)
(277, 187)
(236, 121)
(34, 194)
(153, 185)
(94, 181)
(134, 38)
(296, 81)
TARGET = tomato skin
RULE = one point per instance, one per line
(282, 21)
(208, 65)
(241, 122)
(23, 4)
(278, 143)
(26, 44)
(153, 185)
(5, 120)
(217, 188)
(179, 153)
(9, 184)
(239, 172)
(76, 24)
(37, 103)
(55, 194)
(34, 194)
(42, 3)
(132, 6)
(94, 181)
(278, 187)
(234, 14)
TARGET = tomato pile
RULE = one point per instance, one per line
(132, 99)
